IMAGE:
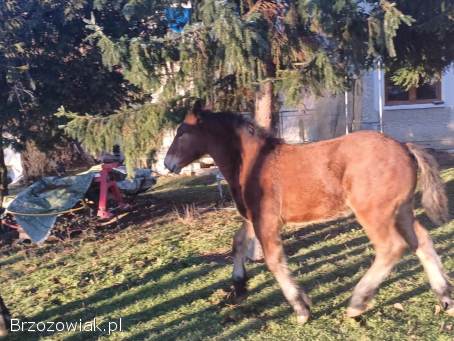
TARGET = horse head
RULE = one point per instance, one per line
(189, 144)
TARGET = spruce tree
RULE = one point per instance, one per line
(136, 129)
(238, 54)
(46, 62)
(234, 52)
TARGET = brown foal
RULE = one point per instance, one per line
(273, 183)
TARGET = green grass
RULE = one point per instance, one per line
(168, 277)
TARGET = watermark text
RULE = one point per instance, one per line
(93, 326)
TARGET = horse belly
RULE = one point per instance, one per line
(303, 207)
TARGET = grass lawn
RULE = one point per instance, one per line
(166, 274)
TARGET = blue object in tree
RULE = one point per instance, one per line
(177, 17)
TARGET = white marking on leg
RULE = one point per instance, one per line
(239, 256)
(366, 287)
(433, 267)
(238, 268)
(431, 262)
(254, 249)
(294, 295)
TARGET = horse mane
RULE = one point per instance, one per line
(238, 121)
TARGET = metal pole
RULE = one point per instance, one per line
(346, 112)
(380, 96)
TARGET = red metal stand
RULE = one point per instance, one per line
(106, 186)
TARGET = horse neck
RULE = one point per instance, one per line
(234, 154)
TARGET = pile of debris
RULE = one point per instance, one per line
(98, 192)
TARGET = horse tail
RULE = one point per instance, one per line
(434, 199)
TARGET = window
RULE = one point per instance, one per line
(424, 93)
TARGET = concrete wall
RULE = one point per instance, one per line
(314, 120)
(320, 118)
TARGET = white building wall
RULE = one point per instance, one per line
(429, 124)
(158, 165)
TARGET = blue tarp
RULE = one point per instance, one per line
(177, 18)
(40, 201)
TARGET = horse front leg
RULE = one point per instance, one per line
(267, 229)
(254, 249)
(245, 246)
(5, 319)
(239, 252)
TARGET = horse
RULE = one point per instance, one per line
(365, 173)
(5, 318)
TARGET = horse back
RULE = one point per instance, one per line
(323, 180)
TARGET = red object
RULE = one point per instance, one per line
(108, 186)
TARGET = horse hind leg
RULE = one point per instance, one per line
(433, 267)
(389, 247)
(387, 255)
(420, 242)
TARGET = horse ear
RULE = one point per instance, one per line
(193, 116)
(197, 107)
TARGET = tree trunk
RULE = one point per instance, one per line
(3, 172)
(37, 163)
(264, 100)
(264, 104)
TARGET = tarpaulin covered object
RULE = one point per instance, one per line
(36, 208)
(142, 181)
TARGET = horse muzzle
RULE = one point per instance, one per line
(171, 164)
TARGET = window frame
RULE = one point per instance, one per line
(412, 95)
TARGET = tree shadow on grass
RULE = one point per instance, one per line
(412, 268)
(83, 309)
(186, 325)
(210, 321)
(408, 268)
(256, 312)
(80, 309)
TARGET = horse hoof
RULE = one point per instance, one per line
(239, 291)
(354, 312)
(450, 311)
(302, 319)
(239, 297)
(448, 305)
